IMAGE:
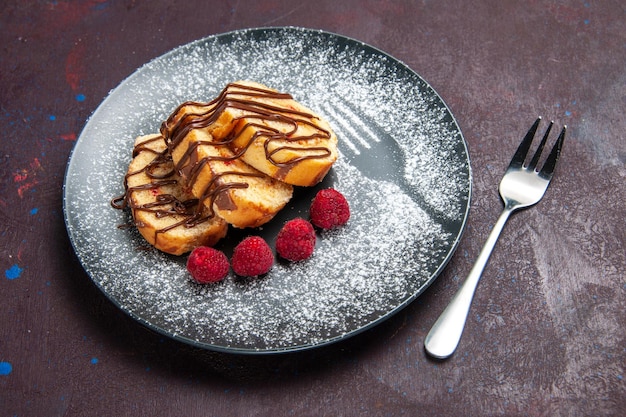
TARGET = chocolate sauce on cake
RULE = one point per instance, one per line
(162, 169)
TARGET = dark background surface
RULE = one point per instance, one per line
(545, 336)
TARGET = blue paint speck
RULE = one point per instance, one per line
(34, 211)
(5, 368)
(52, 117)
(568, 113)
(14, 272)
(101, 6)
(586, 21)
(80, 97)
(94, 360)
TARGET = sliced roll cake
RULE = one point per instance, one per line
(167, 216)
(235, 191)
(268, 130)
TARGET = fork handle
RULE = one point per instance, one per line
(444, 336)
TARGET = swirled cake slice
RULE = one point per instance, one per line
(167, 216)
(267, 129)
(235, 191)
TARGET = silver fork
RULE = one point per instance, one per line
(522, 186)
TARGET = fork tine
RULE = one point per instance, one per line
(537, 155)
(548, 168)
(522, 150)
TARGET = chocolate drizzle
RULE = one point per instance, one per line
(161, 173)
(247, 99)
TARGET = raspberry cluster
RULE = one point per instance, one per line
(251, 257)
(295, 242)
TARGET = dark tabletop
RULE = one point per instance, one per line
(545, 336)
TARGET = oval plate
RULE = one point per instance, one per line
(403, 166)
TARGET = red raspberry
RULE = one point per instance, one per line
(207, 265)
(329, 209)
(296, 240)
(252, 257)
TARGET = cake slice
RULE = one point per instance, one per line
(235, 191)
(167, 216)
(267, 129)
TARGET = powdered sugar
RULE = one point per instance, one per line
(403, 168)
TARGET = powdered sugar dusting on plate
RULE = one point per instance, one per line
(403, 168)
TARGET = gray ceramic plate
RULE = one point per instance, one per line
(403, 167)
